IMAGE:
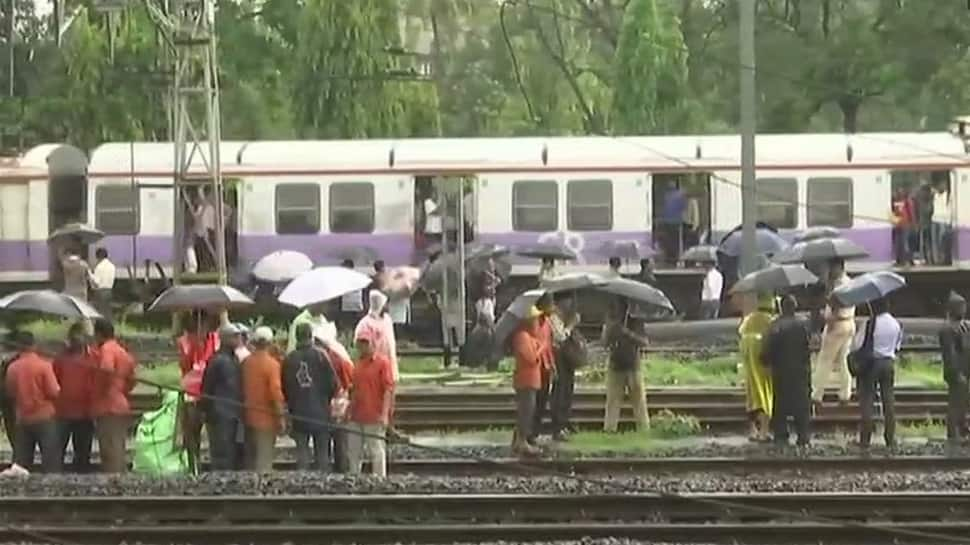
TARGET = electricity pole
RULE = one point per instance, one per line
(749, 207)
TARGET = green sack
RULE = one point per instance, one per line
(157, 449)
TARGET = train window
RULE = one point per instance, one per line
(116, 209)
(535, 205)
(830, 202)
(297, 209)
(352, 207)
(589, 205)
(778, 202)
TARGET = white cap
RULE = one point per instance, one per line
(262, 334)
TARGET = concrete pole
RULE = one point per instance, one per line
(749, 208)
(11, 34)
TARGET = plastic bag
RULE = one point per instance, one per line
(156, 445)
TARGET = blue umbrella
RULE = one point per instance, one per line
(767, 241)
(868, 287)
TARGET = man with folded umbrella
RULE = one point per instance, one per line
(787, 354)
(954, 338)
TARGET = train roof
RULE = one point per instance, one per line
(150, 158)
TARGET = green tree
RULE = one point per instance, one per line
(650, 72)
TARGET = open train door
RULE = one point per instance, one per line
(681, 212)
(67, 197)
(455, 201)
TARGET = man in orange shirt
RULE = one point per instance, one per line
(543, 334)
(32, 384)
(263, 396)
(370, 405)
(75, 368)
(528, 353)
(114, 380)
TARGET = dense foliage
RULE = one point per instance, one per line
(376, 68)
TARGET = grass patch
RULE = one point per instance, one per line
(921, 371)
(167, 374)
(664, 427)
(927, 429)
(56, 330)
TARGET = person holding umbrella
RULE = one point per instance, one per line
(547, 270)
(624, 335)
(832, 358)
(875, 348)
(787, 353)
(528, 351)
(758, 386)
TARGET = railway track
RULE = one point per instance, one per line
(719, 410)
(706, 518)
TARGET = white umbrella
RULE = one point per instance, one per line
(323, 284)
(281, 266)
(48, 302)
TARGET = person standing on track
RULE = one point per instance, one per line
(75, 369)
(711, 292)
(378, 328)
(625, 336)
(832, 357)
(371, 402)
(263, 394)
(308, 387)
(544, 332)
(103, 282)
(222, 400)
(114, 382)
(570, 355)
(759, 390)
(886, 338)
(196, 346)
(527, 348)
(787, 354)
(32, 384)
(954, 338)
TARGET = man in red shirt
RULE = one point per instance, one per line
(114, 380)
(543, 334)
(75, 368)
(198, 343)
(31, 382)
(371, 396)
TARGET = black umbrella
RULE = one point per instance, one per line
(574, 281)
(485, 251)
(818, 232)
(637, 292)
(49, 302)
(547, 251)
(766, 240)
(79, 231)
(200, 296)
(704, 253)
(821, 249)
(775, 277)
(627, 250)
(868, 287)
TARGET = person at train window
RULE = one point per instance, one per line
(203, 230)
(902, 219)
(570, 353)
(923, 197)
(758, 386)
(942, 216)
(433, 222)
(32, 384)
(878, 371)
(114, 381)
(672, 220)
(528, 351)
(222, 399)
(75, 368)
(262, 391)
(102, 282)
(833, 353)
(711, 289)
(308, 387)
(625, 336)
(691, 222)
(614, 267)
(371, 404)
(954, 338)
(544, 331)
(547, 270)
(787, 353)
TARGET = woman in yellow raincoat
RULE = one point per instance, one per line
(757, 378)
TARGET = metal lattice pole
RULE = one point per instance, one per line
(189, 29)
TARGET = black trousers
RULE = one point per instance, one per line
(562, 397)
(792, 400)
(319, 458)
(225, 448)
(957, 405)
(80, 433)
(341, 464)
(880, 374)
(543, 396)
(42, 435)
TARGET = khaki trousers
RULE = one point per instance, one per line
(618, 385)
(112, 431)
(371, 438)
(832, 359)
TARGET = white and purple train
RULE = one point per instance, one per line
(317, 196)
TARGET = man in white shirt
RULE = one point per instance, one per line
(102, 282)
(832, 357)
(941, 224)
(887, 337)
(711, 292)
